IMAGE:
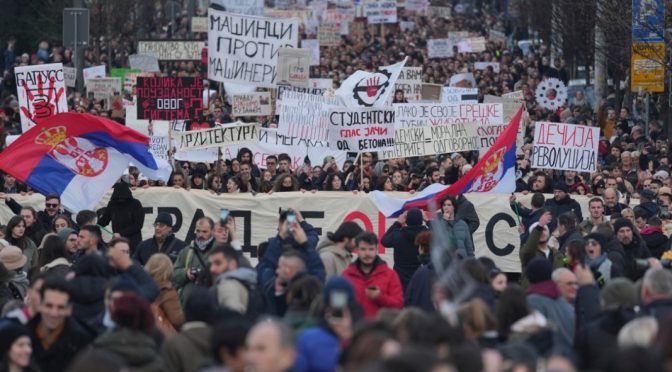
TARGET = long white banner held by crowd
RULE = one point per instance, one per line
(230, 134)
(304, 115)
(41, 91)
(410, 115)
(245, 48)
(360, 130)
(257, 216)
(439, 139)
(565, 146)
(272, 143)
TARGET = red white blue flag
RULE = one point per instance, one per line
(77, 156)
(495, 172)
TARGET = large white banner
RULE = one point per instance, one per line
(257, 216)
(41, 91)
(219, 136)
(248, 7)
(565, 146)
(363, 129)
(172, 50)
(440, 139)
(409, 115)
(244, 49)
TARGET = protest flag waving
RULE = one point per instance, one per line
(79, 157)
(369, 89)
(495, 172)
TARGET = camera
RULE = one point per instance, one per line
(196, 271)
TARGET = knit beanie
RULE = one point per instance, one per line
(622, 222)
(414, 217)
(65, 232)
(599, 238)
(539, 270)
(10, 331)
(340, 284)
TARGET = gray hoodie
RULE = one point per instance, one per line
(334, 259)
(230, 290)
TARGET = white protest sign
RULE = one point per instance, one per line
(157, 127)
(363, 129)
(158, 146)
(459, 95)
(224, 135)
(339, 15)
(41, 91)
(416, 5)
(172, 50)
(329, 34)
(144, 62)
(102, 88)
(304, 115)
(410, 81)
(472, 45)
(440, 48)
(384, 11)
(484, 66)
(439, 139)
(314, 46)
(311, 26)
(252, 104)
(517, 96)
(440, 11)
(70, 75)
(293, 66)
(93, 72)
(272, 143)
(410, 115)
(407, 26)
(244, 49)
(565, 147)
(199, 24)
(248, 7)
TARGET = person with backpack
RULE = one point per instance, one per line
(235, 286)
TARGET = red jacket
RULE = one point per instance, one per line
(391, 293)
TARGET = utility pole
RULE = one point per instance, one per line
(600, 68)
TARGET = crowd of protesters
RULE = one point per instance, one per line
(595, 291)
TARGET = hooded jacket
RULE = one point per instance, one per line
(137, 349)
(655, 240)
(545, 298)
(381, 276)
(402, 241)
(125, 213)
(334, 259)
(231, 288)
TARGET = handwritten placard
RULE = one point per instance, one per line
(565, 147)
(252, 104)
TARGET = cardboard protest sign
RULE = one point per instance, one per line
(272, 143)
(245, 48)
(144, 62)
(457, 95)
(410, 115)
(230, 134)
(117, 106)
(41, 91)
(565, 147)
(172, 50)
(440, 139)
(431, 92)
(484, 66)
(159, 147)
(384, 11)
(70, 76)
(93, 72)
(252, 104)
(510, 107)
(169, 98)
(199, 24)
(410, 81)
(363, 129)
(248, 7)
(304, 115)
(440, 48)
(313, 45)
(293, 66)
(329, 34)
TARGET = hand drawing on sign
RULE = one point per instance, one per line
(41, 101)
(551, 94)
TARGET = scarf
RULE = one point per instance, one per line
(202, 244)
(595, 263)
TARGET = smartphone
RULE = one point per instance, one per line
(223, 215)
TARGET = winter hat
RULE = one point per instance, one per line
(661, 175)
(414, 217)
(340, 284)
(648, 194)
(539, 270)
(201, 306)
(561, 186)
(622, 222)
(665, 191)
(619, 292)
(164, 218)
(12, 257)
(65, 232)
(10, 331)
(599, 238)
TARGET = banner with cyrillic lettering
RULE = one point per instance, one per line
(169, 98)
(361, 130)
(440, 48)
(565, 146)
(41, 91)
(172, 50)
(244, 48)
(459, 95)
(252, 104)
(410, 115)
(439, 139)
(410, 81)
(304, 115)
(224, 135)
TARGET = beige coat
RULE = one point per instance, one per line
(334, 259)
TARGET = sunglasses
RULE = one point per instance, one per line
(50, 205)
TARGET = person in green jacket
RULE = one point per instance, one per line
(537, 246)
(191, 266)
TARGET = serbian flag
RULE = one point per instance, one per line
(495, 172)
(77, 156)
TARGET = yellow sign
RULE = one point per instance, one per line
(647, 71)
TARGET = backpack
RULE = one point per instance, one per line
(256, 305)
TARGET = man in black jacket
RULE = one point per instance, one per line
(562, 203)
(126, 214)
(402, 239)
(632, 249)
(163, 241)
